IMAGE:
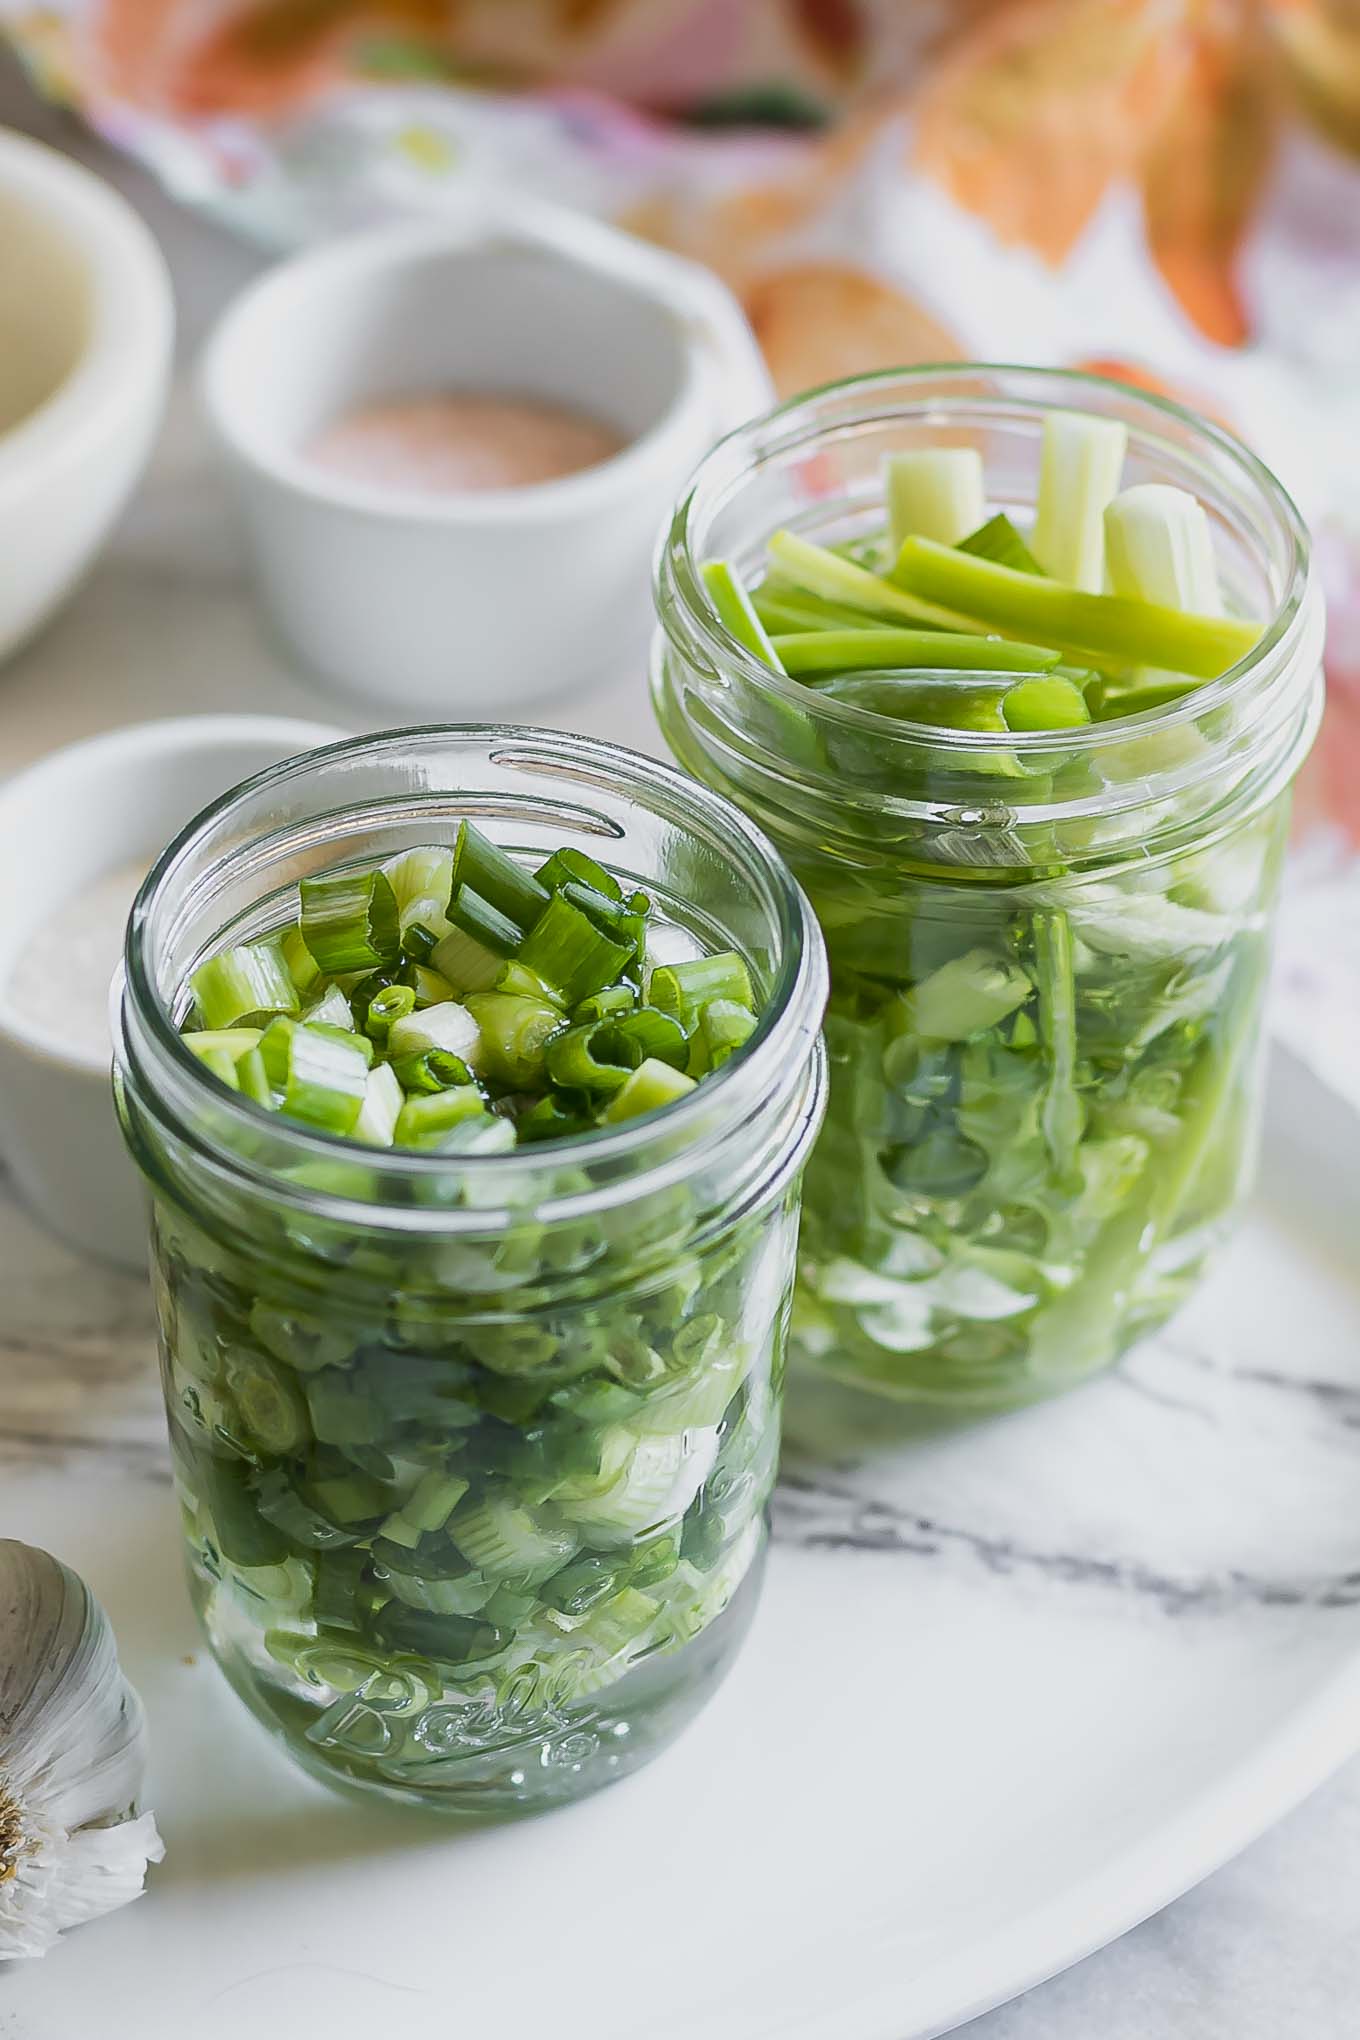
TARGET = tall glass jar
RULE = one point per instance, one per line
(1048, 952)
(474, 1453)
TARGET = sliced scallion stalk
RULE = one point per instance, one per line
(933, 492)
(421, 880)
(383, 1100)
(735, 611)
(513, 1033)
(684, 989)
(232, 1041)
(349, 920)
(841, 651)
(1160, 549)
(392, 1003)
(1081, 460)
(1089, 626)
(332, 1009)
(319, 1073)
(1045, 703)
(242, 984)
(651, 1086)
(425, 1121)
(494, 876)
(567, 950)
(570, 864)
(448, 1026)
(827, 574)
(998, 540)
(724, 1027)
(583, 1058)
(434, 1069)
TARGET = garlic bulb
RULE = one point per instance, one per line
(72, 1756)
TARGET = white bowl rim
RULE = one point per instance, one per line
(164, 737)
(669, 281)
(129, 349)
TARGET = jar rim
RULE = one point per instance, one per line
(770, 1064)
(802, 420)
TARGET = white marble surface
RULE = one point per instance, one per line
(1268, 1947)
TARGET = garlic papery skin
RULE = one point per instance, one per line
(72, 1758)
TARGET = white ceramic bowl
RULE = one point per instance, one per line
(84, 811)
(458, 604)
(86, 325)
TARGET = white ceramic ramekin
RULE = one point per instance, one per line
(453, 605)
(86, 325)
(84, 811)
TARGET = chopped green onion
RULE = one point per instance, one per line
(332, 1009)
(431, 987)
(590, 1057)
(448, 1026)
(419, 942)
(839, 651)
(567, 950)
(933, 492)
(1091, 626)
(570, 864)
(513, 1033)
(302, 966)
(221, 1065)
(791, 611)
(609, 1001)
(684, 989)
(242, 984)
(252, 1079)
(969, 993)
(420, 877)
(733, 607)
(554, 1117)
(435, 1069)
(423, 1122)
(825, 573)
(233, 1042)
(493, 876)
(382, 1105)
(349, 920)
(485, 923)
(724, 1027)
(320, 1073)
(1080, 463)
(392, 1003)
(651, 1086)
(999, 541)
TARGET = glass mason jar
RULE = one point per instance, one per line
(1048, 952)
(474, 1453)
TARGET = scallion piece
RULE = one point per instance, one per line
(319, 1073)
(231, 1041)
(842, 651)
(425, 1121)
(332, 1009)
(567, 950)
(513, 1034)
(609, 1001)
(783, 610)
(349, 921)
(301, 964)
(684, 989)
(1080, 463)
(469, 965)
(590, 1057)
(419, 941)
(525, 983)
(252, 1079)
(570, 864)
(827, 574)
(1046, 703)
(421, 880)
(1160, 549)
(933, 492)
(724, 1027)
(434, 1069)
(494, 876)
(448, 1026)
(383, 1101)
(222, 1066)
(999, 541)
(392, 1003)
(1089, 626)
(734, 609)
(651, 1086)
(246, 983)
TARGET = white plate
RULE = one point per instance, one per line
(1010, 1691)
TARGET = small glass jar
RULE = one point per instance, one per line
(474, 1453)
(1048, 952)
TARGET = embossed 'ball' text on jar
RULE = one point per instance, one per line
(1013, 1185)
(586, 1333)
